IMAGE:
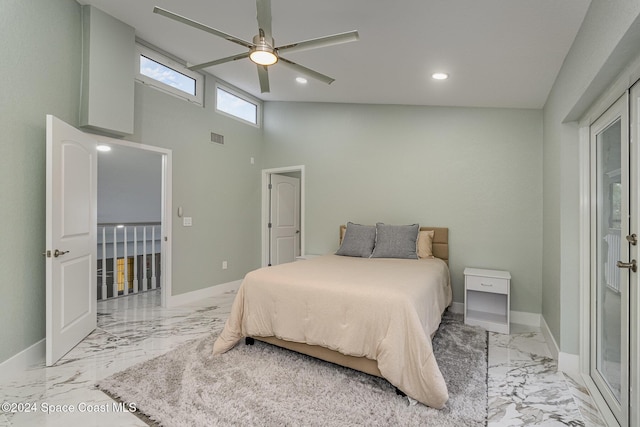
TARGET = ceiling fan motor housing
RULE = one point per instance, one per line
(263, 52)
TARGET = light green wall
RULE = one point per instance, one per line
(481, 172)
(477, 171)
(40, 72)
(40, 47)
(606, 42)
(215, 184)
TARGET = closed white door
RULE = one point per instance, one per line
(71, 217)
(284, 220)
(613, 265)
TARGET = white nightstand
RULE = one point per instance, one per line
(486, 299)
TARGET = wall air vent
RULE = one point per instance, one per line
(217, 138)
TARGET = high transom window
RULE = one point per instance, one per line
(241, 107)
(165, 74)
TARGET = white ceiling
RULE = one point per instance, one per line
(499, 53)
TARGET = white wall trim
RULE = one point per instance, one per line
(457, 307)
(600, 403)
(519, 317)
(585, 248)
(33, 355)
(525, 318)
(554, 349)
(195, 296)
(569, 363)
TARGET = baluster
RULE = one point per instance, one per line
(115, 263)
(104, 263)
(144, 258)
(153, 257)
(135, 260)
(126, 263)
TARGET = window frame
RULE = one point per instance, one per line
(242, 96)
(164, 60)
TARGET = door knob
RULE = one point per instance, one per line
(633, 265)
(57, 253)
(633, 239)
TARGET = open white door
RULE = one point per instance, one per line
(284, 219)
(71, 216)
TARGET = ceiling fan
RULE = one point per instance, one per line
(262, 50)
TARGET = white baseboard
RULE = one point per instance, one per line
(567, 362)
(33, 355)
(457, 307)
(548, 337)
(194, 296)
(519, 317)
(525, 318)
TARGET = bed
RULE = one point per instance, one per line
(373, 314)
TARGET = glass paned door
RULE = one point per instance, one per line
(611, 266)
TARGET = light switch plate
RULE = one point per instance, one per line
(187, 221)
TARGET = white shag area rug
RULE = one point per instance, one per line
(264, 385)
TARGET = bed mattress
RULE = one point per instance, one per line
(383, 309)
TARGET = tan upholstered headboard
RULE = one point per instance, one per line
(440, 241)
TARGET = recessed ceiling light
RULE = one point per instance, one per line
(301, 80)
(440, 76)
(103, 148)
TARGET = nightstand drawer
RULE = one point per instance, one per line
(487, 284)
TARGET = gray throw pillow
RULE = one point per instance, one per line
(358, 240)
(396, 241)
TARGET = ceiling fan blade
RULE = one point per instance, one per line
(306, 71)
(219, 61)
(263, 76)
(202, 27)
(264, 17)
(334, 39)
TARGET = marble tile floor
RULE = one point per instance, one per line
(524, 387)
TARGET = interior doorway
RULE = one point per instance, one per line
(159, 233)
(283, 234)
(71, 229)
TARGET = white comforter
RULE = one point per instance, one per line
(383, 309)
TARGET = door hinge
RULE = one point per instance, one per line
(269, 225)
(270, 186)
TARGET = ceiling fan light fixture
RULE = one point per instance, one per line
(263, 53)
(265, 58)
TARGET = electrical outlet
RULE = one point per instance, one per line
(187, 221)
(224, 265)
